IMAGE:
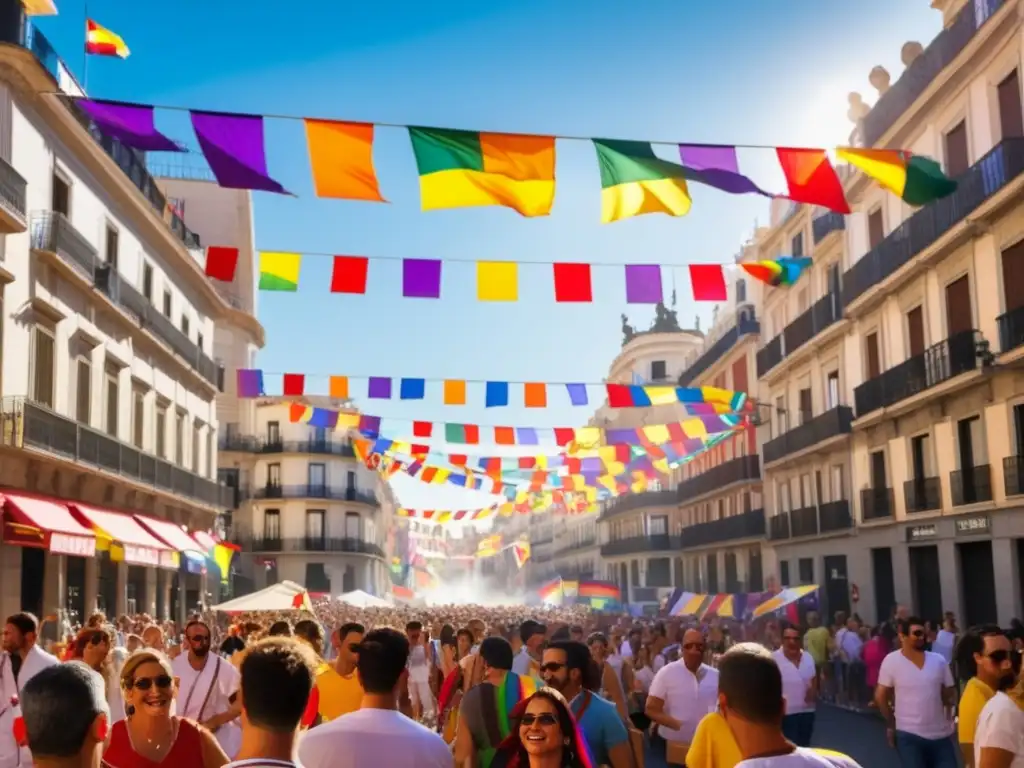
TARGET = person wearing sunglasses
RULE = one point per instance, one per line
(984, 659)
(150, 735)
(95, 647)
(920, 726)
(544, 733)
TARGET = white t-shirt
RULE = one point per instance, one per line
(419, 668)
(686, 698)
(796, 680)
(373, 737)
(944, 644)
(918, 693)
(1001, 725)
(800, 757)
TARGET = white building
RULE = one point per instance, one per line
(107, 364)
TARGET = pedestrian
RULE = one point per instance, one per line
(984, 657)
(799, 687)
(377, 734)
(65, 717)
(543, 734)
(21, 660)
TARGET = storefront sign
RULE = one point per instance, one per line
(967, 526)
(168, 560)
(921, 532)
(77, 546)
(135, 555)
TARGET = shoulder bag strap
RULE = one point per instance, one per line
(209, 691)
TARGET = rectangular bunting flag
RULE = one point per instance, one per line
(635, 181)
(341, 157)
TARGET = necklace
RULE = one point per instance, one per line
(156, 746)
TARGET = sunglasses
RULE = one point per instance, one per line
(353, 647)
(551, 666)
(693, 647)
(544, 718)
(998, 657)
(199, 639)
(917, 633)
(145, 683)
(792, 638)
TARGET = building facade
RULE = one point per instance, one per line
(309, 511)
(108, 424)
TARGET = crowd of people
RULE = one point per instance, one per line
(515, 686)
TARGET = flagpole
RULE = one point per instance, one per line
(85, 49)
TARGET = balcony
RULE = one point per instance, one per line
(744, 325)
(876, 503)
(1011, 329)
(315, 491)
(922, 494)
(253, 444)
(822, 427)
(718, 477)
(919, 75)
(747, 525)
(584, 543)
(52, 233)
(971, 486)
(348, 545)
(634, 501)
(804, 522)
(835, 516)
(778, 526)
(939, 363)
(826, 224)
(982, 181)
(29, 425)
(12, 200)
(823, 313)
(1013, 475)
(636, 545)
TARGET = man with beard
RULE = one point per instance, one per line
(567, 667)
(999, 738)
(208, 687)
(20, 661)
(921, 726)
(984, 656)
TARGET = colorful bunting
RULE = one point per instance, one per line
(497, 281)
(572, 283)
(341, 157)
(915, 179)
(785, 270)
(643, 284)
(454, 392)
(221, 263)
(348, 274)
(280, 271)
(233, 146)
(635, 181)
(708, 282)
(249, 383)
(131, 124)
(338, 387)
(294, 385)
(421, 278)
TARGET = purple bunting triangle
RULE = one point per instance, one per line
(233, 145)
(717, 166)
(130, 124)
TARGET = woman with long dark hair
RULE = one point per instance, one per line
(544, 735)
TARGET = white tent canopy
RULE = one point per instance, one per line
(361, 599)
(285, 596)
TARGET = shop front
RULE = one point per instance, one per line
(54, 550)
(186, 588)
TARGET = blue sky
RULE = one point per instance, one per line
(745, 72)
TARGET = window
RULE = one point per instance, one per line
(659, 370)
(111, 246)
(210, 450)
(1011, 119)
(1013, 281)
(876, 228)
(60, 195)
(806, 567)
(784, 573)
(147, 281)
(317, 477)
(920, 456)
(167, 303)
(352, 525)
(832, 390)
(272, 524)
(179, 439)
(838, 483)
(877, 464)
(161, 432)
(784, 496)
(274, 475)
(915, 332)
(197, 434)
(113, 396)
(315, 529)
(957, 161)
(1, 337)
(797, 245)
(874, 364)
(273, 432)
(657, 526)
(806, 411)
(184, 324)
(83, 391)
(780, 414)
(138, 418)
(959, 317)
(42, 366)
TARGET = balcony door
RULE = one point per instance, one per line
(317, 477)
(915, 332)
(872, 356)
(272, 524)
(273, 475)
(316, 531)
(1011, 118)
(959, 318)
(352, 525)
(1011, 330)
(273, 433)
(806, 413)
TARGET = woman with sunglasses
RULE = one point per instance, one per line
(151, 736)
(544, 735)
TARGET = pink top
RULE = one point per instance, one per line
(875, 651)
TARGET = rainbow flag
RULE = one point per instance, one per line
(600, 589)
(100, 41)
(635, 181)
(513, 689)
(551, 592)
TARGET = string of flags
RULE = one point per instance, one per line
(461, 168)
(697, 400)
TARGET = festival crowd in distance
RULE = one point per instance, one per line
(500, 687)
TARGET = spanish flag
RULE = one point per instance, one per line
(100, 41)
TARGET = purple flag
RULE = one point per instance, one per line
(130, 124)
(233, 146)
(577, 393)
(379, 388)
(369, 426)
(421, 278)
(718, 167)
(643, 284)
(250, 382)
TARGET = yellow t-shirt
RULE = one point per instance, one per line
(713, 745)
(816, 644)
(338, 695)
(974, 698)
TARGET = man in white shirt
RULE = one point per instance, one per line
(20, 661)
(922, 726)
(681, 693)
(419, 666)
(376, 734)
(799, 687)
(999, 738)
(207, 688)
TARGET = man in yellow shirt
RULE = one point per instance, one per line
(338, 690)
(984, 654)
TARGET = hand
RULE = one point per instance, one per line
(890, 736)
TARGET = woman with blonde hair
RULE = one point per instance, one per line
(151, 736)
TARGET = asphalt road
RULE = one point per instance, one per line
(861, 736)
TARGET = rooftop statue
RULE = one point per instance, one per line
(628, 332)
(665, 320)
